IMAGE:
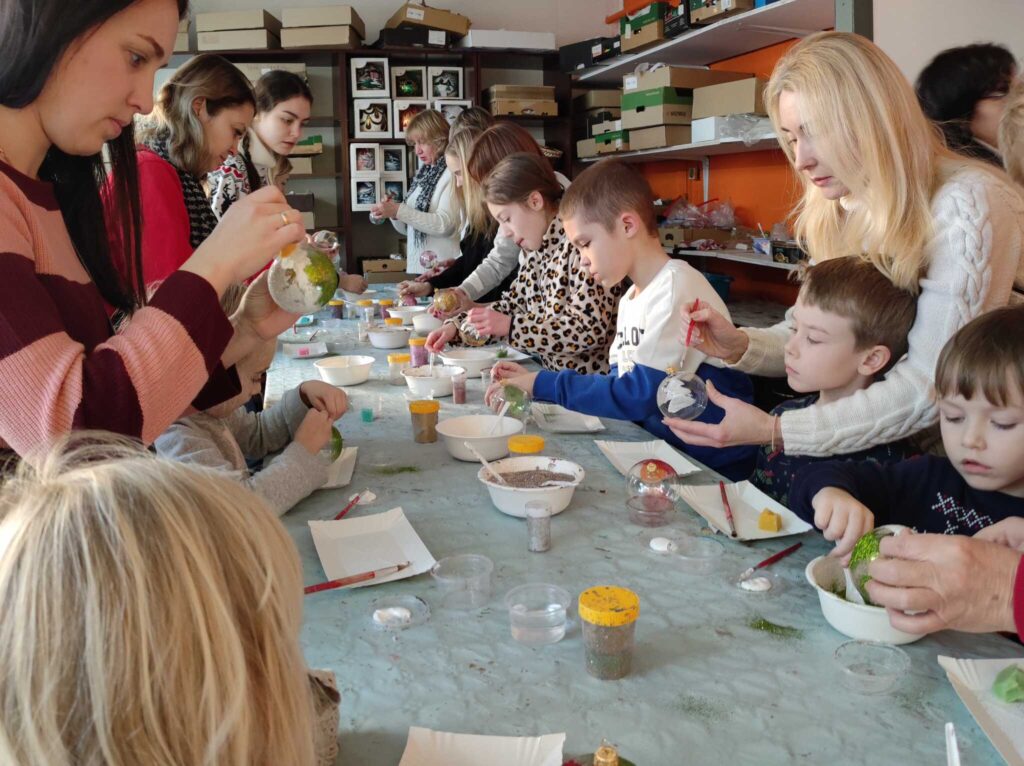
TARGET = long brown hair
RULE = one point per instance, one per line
(495, 144)
(517, 176)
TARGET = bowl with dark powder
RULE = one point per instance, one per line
(531, 478)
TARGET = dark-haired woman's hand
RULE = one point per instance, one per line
(250, 234)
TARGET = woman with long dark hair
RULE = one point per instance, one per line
(72, 78)
(963, 90)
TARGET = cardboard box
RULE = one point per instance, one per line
(609, 143)
(416, 15)
(649, 14)
(739, 97)
(713, 129)
(650, 116)
(324, 16)
(677, 20)
(308, 146)
(529, 92)
(302, 166)
(503, 38)
(320, 37)
(609, 126)
(415, 37)
(706, 11)
(656, 97)
(645, 38)
(586, 53)
(223, 21)
(598, 116)
(181, 43)
(378, 265)
(679, 77)
(598, 99)
(388, 277)
(183, 25)
(659, 136)
(586, 148)
(254, 71)
(524, 107)
(238, 40)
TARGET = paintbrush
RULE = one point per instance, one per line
(353, 579)
(728, 510)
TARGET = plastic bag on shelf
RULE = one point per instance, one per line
(748, 128)
(720, 215)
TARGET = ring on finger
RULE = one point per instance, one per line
(284, 218)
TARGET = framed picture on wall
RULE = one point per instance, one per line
(452, 108)
(365, 193)
(396, 188)
(393, 160)
(445, 82)
(372, 117)
(370, 78)
(405, 110)
(409, 82)
(364, 160)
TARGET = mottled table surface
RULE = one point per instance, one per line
(706, 688)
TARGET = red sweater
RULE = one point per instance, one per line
(62, 367)
(166, 231)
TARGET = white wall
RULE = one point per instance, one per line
(913, 31)
(570, 20)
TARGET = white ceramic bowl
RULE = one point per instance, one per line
(868, 623)
(513, 501)
(475, 360)
(426, 322)
(363, 296)
(345, 370)
(304, 350)
(424, 386)
(406, 313)
(389, 337)
(475, 429)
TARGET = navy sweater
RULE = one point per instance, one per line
(926, 493)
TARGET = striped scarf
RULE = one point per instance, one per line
(201, 218)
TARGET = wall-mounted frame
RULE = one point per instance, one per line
(370, 77)
(404, 111)
(365, 193)
(394, 160)
(409, 82)
(372, 117)
(396, 187)
(445, 82)
(365, 160)
(452, 108)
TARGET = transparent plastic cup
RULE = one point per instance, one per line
(650, 510)
(538, 613)
(464, 580)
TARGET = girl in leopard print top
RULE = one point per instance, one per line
(554, 308)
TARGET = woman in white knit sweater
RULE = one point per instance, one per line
(429, 215)
(878, 181)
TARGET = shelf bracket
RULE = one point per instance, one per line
(705, 164)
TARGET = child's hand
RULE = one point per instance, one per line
(489, 322)
(322, 396)
(352, 283)
(438, 339)
(841, 517)
(314, 432)
(504, 370)
(1008, 532)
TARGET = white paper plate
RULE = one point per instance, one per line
(625, 455)
(426, 747)
(747, 502)
(559, 420)
(352, 546)
(514, 355)
(1002, 722)
(339, 473)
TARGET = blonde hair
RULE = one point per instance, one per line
(208, 77)
(869, 126)
(431, 126)
(151, 616)
(469, 197)
(1011, 132)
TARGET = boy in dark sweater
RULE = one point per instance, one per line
(979, 382)
(850, 327)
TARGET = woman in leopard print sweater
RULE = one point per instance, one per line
(554, 308)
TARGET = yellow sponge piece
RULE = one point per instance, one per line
(769, 521)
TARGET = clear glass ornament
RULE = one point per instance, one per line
(428, 259)
(471, 336)
(302, 279)
(682, 395)
(518, 401)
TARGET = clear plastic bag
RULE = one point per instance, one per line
(748, 128)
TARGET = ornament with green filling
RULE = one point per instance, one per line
(864, 552)
(302, 279)
(337, 443)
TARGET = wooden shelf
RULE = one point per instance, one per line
(534, 119)
(739, 256)
(690, 151)
(746, 32)
(323, 122)
(299, 177)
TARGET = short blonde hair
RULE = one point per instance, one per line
(430, 126)
(151, 616)
(208, 77)
(1011, 132)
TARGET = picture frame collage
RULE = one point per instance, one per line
(378, 170)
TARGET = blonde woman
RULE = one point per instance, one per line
(428, 215)
(201, 114)
(1011, 132)
(152, 615)
(877, 180)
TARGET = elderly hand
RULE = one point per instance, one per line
(950, 581)
(387, 208)
(743, 424)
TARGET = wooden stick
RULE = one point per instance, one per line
(353, 579)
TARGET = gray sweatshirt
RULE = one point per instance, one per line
(225, 443)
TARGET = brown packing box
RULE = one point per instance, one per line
(740, 97)
(257, 18)
(387, 277)
(679, 77)
(658, 137)
(301, 166)
(324, 16)
(237, 40)
(528, 92)
(597, 99)
(414, 14)
(646, 37)
(320, 37)
(586, 148)
(383, 264)
(516, 106)
(608, 126)
(181, 42)
(720, 9)
(649, 116)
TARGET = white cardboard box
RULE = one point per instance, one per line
(713, 129)
(503, 38)
(181, 42)
(320, 37)
(237, 40)
(256, 18)
(324, 16)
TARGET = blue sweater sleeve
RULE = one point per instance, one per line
(632, 396)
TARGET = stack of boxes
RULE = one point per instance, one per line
(587, 53)
(712, 103)
(181, 41)
(644, 28)
(325, 26)
(254, 29)
(708, 11)
(599, 108)
(418, 25)
(522, 100)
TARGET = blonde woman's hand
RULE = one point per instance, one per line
(713, 334)
(315, 431)
(250, 234)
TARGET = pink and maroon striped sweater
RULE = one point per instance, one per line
(62, 366)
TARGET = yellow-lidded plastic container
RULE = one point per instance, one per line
(424, 406)
(424, 420)
(608, 615)
(526, 444)
(364, 303)
(397, 363)
(418, 350)
(393, 322)
(399, 358)
(386, 302)
(609, 605)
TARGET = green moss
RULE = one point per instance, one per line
(773, 629)
(322, 275)
(394, 470)
(694, 706)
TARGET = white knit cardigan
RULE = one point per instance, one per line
(441, 223)
(976, 258)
